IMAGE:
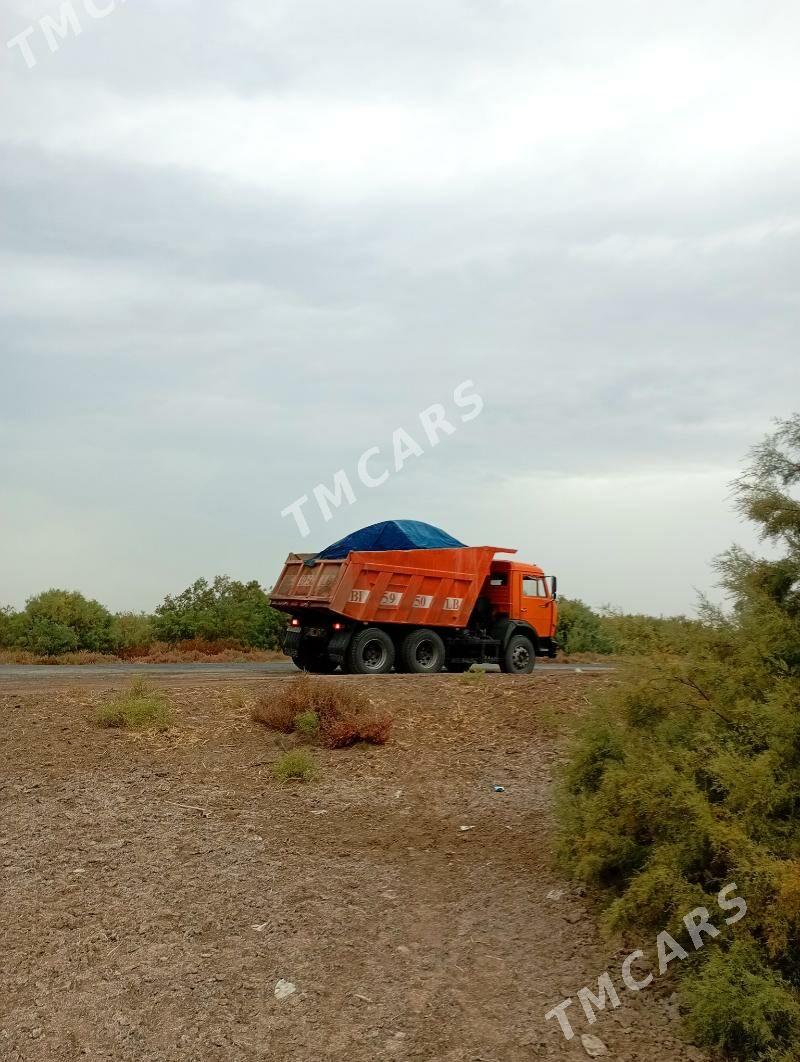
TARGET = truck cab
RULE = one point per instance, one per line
(523, 592)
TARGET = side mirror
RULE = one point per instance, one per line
(554, 587)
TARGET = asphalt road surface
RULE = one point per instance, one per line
(16, 674)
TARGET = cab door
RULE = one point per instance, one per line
(536, 605)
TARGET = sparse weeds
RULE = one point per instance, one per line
(298, 765)
(474, 676)
(307, 724)
(335, 714)
(138, 708)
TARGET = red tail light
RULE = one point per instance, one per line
(338, 626)
(295, 622)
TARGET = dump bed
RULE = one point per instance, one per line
(423, 587)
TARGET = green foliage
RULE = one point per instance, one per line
(580, 630)
(296, 765)
(138, 708)
(132, 629)
(47, 637)
(62, 621)
(473, 676)
(8, 627)
(223, 609)
(307, 724)
(686, 776)
(740, 1005)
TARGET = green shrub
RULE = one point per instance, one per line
(46, 637)
(473, 676)
(8, 628)
(139, 707)
(686, 776)
(307, 723)
(296, 765)
(132, 630)
(580, 630)
(739, 1005)
(64, 621)
(223, 609)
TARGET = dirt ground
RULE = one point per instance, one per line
(155, 888)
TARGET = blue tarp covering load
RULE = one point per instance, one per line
(390, 534)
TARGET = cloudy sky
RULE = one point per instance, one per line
(243, 243)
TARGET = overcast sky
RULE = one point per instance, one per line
(244, 242)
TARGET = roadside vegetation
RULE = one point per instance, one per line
(326, 713)
(138, 708)
(608, 631)
(223, 619)
(297, 765)
(686, 777)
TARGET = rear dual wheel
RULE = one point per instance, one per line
(370, 652)
(422, 652)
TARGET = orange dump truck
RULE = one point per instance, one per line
(415, 609)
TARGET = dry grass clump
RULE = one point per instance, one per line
(137, 708)
(24, 656)
(197, 650)
(475, 675)
(332, 712)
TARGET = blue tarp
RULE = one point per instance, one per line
(390, 534)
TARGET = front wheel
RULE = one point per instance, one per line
(519, 657)
(370, 652)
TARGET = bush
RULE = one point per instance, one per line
(46, 637)
(473, 676)
(344, 713)
(739, 1005)
(8, 628)
(132, 632)
(307, 723)
(686, 777)
(223, 609)
(63, 621)
(138, 708)
(296, 765)
(580, 630)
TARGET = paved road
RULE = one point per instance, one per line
(16, 674)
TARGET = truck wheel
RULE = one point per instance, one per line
(422, 652)
(519, 657)
(371, 652)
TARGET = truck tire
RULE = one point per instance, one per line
(519, 656)
(314, 662)
(370, 652)
(422, 652)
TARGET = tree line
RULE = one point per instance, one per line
(57, 622)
